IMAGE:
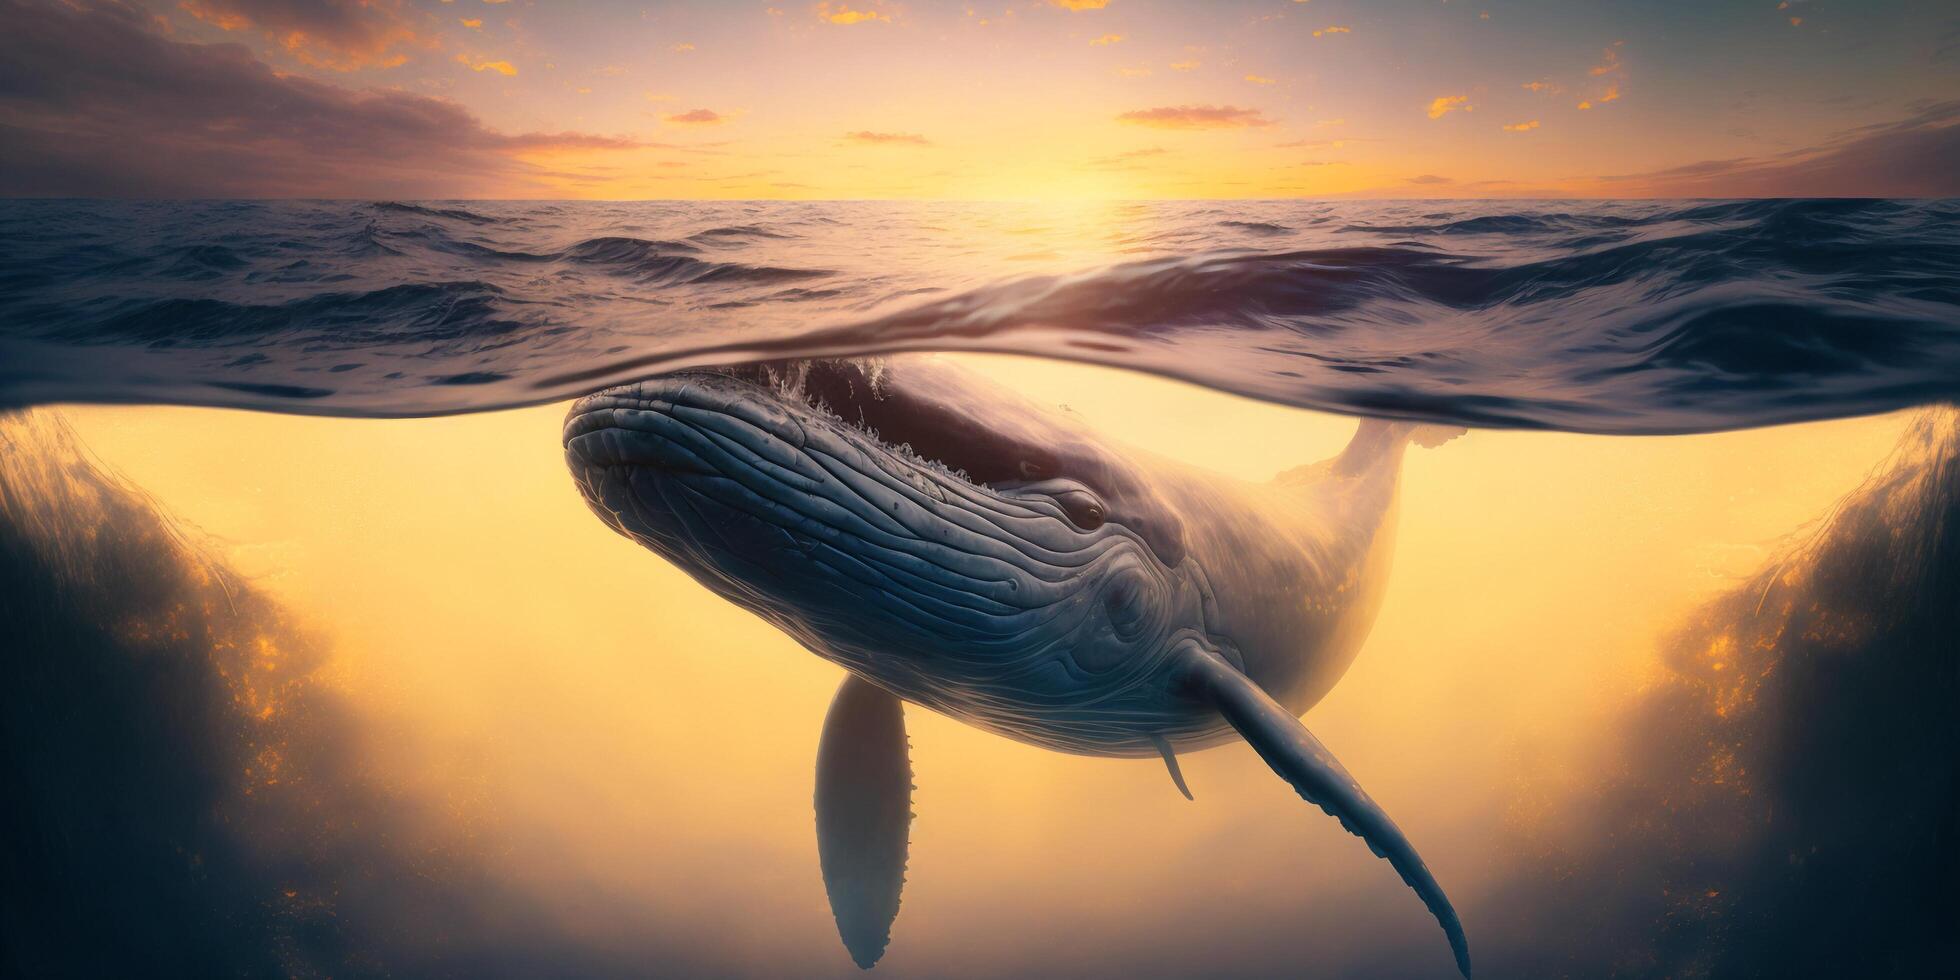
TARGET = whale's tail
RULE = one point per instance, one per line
(1386, 433)
(1429, 435)
(1375, 441)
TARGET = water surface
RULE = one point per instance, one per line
(1616, 317)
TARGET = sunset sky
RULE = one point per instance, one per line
(1036, 99)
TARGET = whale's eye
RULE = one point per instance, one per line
(1083, 508)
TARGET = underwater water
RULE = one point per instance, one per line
(363, 696)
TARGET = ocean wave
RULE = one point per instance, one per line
(727, 233)
(1607, 317)
(1262, 227)
(620, 250)
(363, 243)
(454, 214)
(417, 313)
(655, 262)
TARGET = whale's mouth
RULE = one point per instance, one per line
(831, 468)
(959, 441)
(864, 519)
(775, 402)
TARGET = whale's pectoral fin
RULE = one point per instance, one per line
(864, 814)
(1170, 762)
(1295, 754)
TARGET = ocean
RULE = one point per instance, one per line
(317, 664)
(1610, 317)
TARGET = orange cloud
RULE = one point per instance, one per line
(500, 67)
(1195, 117)
(120, 96)
(1612, 94)
(1443, 105)
(1910, 157)
(1260, 79)
(1523, 127)
(697, 117)
(842, 14)
(1333, 30)
(473, 23)
(1107, 39)
(1542, 85)
(1326, 144)
(1185, 65)
(1609, 61)
(344, 35)
(682, 47)
(1080, 4)
(870, 138)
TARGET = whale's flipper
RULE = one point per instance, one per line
(1295, 754)
(864, 814)
(1170, 762)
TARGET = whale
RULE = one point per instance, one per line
(957, 548)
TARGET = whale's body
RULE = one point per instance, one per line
(953, 547)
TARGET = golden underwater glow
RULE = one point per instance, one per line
(618, 739)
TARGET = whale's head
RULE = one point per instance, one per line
(910, 521)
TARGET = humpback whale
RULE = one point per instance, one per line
(957, 548)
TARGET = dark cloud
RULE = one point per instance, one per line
(1917, 156)
(1195, 117)
(1947, 46)
(1430, 179)
(93, 102)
